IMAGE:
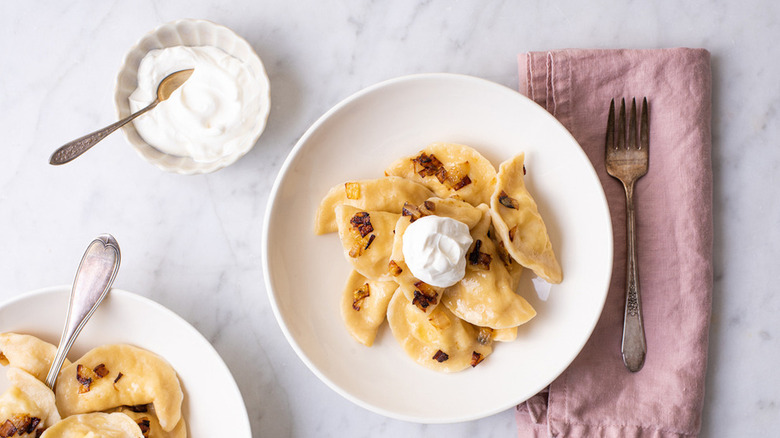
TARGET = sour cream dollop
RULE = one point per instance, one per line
(208, 117)
(435, 249)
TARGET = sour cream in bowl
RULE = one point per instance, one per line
(215, 117)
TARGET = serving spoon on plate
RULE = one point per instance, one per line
(94, 277)
(70, 151)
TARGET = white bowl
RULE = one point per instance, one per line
(211, 396)
(358, 139)
(192, 33)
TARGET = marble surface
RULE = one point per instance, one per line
(192, 243)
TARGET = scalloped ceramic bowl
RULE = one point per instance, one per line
(191, 33)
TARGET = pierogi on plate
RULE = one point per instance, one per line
(449, 328)
(112, 391)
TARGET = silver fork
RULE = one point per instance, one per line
(627, 160)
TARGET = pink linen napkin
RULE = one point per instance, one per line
(597, 396)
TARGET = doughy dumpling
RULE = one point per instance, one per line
(519, 225)
(485, 296)
(27, 407)
(422, 295)
(439, 340)
(383, 194)
(130, 376)
(28, 353)
(148, 421)
(367, 239)
(515, 269)
(364, 306)
(96, 424)
(449, 169)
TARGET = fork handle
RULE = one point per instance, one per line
(633, 347)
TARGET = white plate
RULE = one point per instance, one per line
(211, 397)
(357, 139)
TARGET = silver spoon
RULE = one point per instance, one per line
(71, 150)
(94, 277)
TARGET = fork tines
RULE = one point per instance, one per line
(627, 138)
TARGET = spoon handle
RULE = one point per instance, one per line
(94, 277)
(69, 151)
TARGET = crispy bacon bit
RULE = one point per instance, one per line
(428, 208)
(424, 296)
(439, 320)
(85, 377)
(457, 176)
(145, 426)
(485, 335)
(359, 295)
(508, 202)
(101, 370)
(440, 356)
(370, 241)
(476, 358)
(478, 259)
(395, 270)
(139, 408)
(20, 424)
(34, 422)
(422, 301)
(512, 233)
(7, 429)
(429, 163)
(362, 222)
(463, 182)
(441, 175)
(356, 251)
(118, 376)
(503, 254)
(352, 190)
(412, 211)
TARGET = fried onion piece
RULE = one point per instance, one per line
(352, 190)
(359, 295)
(476, 359)
(440, 356)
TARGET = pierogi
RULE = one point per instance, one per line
(28, 353)
(95, 424)
(116, 375)
(439, 341)
(150, 425)
(27, 407)
(372, 216)
(367, 239)
(449, 169)
(383, 194)
(519, 225)
(364, 306)
(485, 296)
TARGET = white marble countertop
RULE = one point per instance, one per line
(192, 243)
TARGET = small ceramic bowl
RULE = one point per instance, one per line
(188, 32)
